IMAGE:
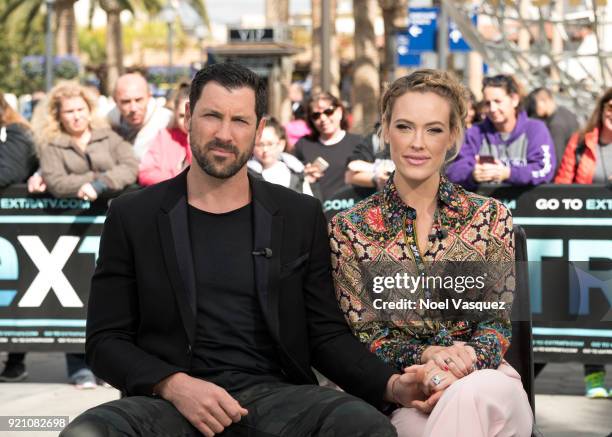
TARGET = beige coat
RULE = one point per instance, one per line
(107, 158)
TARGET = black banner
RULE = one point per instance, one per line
(48, 249)
(569, 244)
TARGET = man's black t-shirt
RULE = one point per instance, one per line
(233, 346)
(336, 155)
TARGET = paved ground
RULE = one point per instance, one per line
(561, 409)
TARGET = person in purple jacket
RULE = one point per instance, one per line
(507, 146)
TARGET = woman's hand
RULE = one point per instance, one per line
(312, 173)
(36, 184)
(432, 379)
(459, 359)
(432, 382)
(87, 192)
(491, 172)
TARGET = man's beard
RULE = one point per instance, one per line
(217, 166)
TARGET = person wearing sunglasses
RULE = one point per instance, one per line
(508, 147)
(326, 150)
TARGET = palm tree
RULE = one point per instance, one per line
(366, 82)
(315, 67)
(114, 38)
(277, 12)
(395, 15)
(25, 11)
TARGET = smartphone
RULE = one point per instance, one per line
(321, 164)
(486, 159)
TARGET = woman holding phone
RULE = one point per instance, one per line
(508, 147)
(418, 223)
(326, 150)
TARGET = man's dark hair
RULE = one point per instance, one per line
(231, 76)
(542, 89)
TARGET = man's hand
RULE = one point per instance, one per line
(206, 406)
(459, 358)
(36, 184)
(87, 192)
(403, 389)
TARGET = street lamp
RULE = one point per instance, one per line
(49, 46)
(168, 16)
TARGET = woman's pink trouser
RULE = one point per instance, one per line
(486, 403)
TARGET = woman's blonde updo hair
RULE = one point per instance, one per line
(438, 82)
(46, 122)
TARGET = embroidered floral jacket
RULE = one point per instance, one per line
(380, 229)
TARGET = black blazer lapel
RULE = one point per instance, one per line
(268, 231)
(174, 235)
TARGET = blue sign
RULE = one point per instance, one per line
(456, 43)
(405, 58)
(422, 25)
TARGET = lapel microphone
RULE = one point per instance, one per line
(439, 234)
(265, 252)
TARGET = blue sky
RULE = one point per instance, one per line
(220, 11)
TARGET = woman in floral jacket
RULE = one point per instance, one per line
(413, 227)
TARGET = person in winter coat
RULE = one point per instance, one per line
(79, 155)
(169, 152)
(17, 162)
(588, 155)
(508, 146)
(17, 152)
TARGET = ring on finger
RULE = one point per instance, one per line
(448, 360)
(436, 380)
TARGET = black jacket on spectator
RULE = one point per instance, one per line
(17, 154)
(142, 308)
(561, 124)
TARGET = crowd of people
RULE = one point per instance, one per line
(428, 149)
(511, 138)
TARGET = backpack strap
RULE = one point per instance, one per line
(580, 149)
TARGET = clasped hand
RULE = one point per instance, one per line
(491, 172)
(87, 192)
(422, 385)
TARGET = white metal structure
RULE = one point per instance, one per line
(565, 45)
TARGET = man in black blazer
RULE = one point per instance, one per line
(212, 298)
